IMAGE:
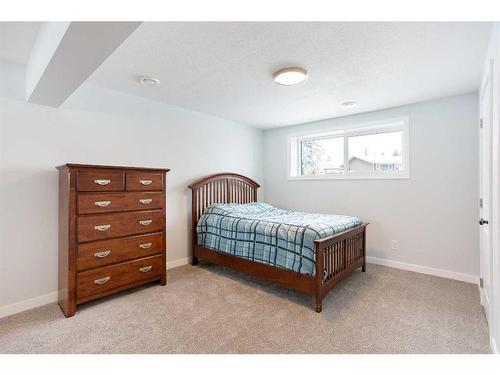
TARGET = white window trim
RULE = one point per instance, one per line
(373, 127)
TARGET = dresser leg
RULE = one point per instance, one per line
(68, 309)
(164, 279)
(194, 261)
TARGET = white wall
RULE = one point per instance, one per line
(100, 126)
(493, 56)
(433, 214)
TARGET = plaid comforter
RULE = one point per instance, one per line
(266, 234)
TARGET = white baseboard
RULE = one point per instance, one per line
(178, 263)
(474, 279)
(28, 304)
(52, 297)
(493, 344)
(31, 303)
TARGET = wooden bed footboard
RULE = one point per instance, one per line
(337, 256)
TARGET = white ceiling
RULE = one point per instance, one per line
(17, 40)
(225, 69)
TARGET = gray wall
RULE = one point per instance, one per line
(433, 214)
(101, 127)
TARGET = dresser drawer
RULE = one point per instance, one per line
(144, 181)
(103, 253)
(111, 277)
(100, 181)
(101, 226)
(109, 202)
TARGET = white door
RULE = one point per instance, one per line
(485, 192)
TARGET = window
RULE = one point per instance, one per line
(377, 150)
(322, 156)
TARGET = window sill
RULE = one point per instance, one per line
(399, 176)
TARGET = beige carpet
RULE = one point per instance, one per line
(208, 309)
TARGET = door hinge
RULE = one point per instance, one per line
(481, 282)
(481, 123)
(480, 202)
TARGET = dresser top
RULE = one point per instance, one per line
(81, 166)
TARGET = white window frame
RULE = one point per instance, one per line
(375, 127)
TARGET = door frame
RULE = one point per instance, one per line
(487, 300)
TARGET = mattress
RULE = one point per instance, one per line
(269, 235)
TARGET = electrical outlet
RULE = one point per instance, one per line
(394, 245)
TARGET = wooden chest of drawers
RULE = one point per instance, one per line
(111, 231)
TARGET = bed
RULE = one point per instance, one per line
(307, 252)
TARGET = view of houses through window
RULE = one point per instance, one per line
(376, 152)
(371, 152)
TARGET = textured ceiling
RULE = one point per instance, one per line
(225, 69)
(17, 40)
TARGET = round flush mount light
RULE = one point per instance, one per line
(348, 104)
(148, 81)
(290, 76)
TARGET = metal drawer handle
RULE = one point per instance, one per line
(145, 269)
(145, 222)
(102, 203)
(102, 182)
(102, 254)
(102, 228)
(145, 182)
(104, 280)
(145, 201)
(146, 245)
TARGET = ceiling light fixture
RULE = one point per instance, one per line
(348, 104)
(290, 76)
(148, 81)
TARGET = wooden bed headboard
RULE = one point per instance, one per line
(221, 188)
